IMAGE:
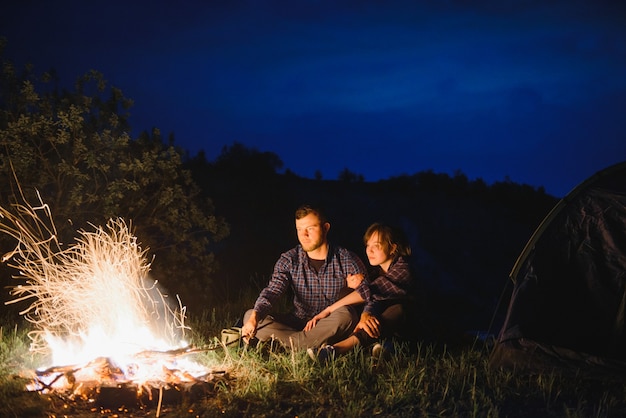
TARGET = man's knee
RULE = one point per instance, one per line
(345, 317)
(247, 315)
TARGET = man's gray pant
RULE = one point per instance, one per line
(334, 328)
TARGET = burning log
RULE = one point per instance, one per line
(109, 387)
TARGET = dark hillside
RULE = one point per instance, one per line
(465, 235)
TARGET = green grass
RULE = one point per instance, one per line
(15, 364)
(424, 380)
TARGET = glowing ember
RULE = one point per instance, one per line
(93, 307)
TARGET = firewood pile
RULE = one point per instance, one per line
(104, 384)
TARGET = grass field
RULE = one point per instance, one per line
(417, 380)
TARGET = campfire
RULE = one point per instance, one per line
(110, 333)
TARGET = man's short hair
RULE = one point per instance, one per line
(307, 209)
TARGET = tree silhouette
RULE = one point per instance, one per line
(73, 147)
(349, 177)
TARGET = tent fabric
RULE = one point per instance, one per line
(568, 303)
(533, 357)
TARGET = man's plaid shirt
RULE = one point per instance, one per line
(312, 291)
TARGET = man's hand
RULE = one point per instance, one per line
(369, 324)
(249, 328)
(311, 324)
(354, 280)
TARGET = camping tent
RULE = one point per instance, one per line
(568, 304)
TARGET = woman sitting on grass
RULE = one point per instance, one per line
(385, 296)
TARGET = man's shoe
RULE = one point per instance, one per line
(323, 355)
(377, 351)
(382, 351)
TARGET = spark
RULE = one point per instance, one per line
(91, 297)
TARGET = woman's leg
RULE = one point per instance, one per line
(391, 320)
(346, 345)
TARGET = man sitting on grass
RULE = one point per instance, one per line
(317, 273)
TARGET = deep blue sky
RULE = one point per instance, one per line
(532, 90)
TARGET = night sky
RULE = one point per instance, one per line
(533, 91)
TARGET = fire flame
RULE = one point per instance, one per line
(94, 300)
